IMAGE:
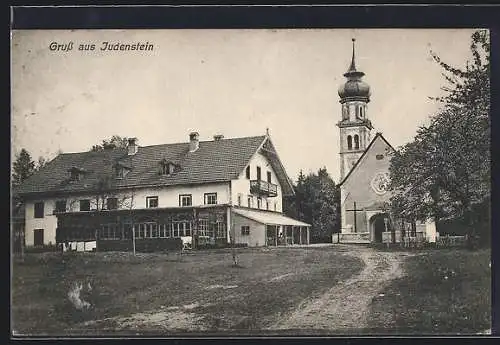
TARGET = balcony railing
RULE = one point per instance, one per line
(261, 187)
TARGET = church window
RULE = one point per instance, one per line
(357, 111)
(361, 112)
(349, 142)
(356, 142)
(345, 114)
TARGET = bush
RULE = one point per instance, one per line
(47, 248)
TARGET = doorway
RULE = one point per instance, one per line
(38, 237)
(378, 226)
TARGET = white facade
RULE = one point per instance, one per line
(227, 193)
(240, 188)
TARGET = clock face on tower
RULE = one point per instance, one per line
(380, 183)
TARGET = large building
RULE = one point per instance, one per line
(204, 192)
(364, 173)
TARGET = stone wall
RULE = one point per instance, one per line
(355, 237)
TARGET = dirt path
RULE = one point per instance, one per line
(345, 306)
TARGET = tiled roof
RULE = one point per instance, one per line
(214, 161)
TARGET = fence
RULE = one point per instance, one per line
(451, 241)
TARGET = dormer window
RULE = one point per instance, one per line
(121, 170)
(75, 173)
(167, 168)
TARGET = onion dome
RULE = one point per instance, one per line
(354, 89)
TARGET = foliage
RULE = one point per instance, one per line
(114, 142)
(446, 169)
(41, 163)
(317, 202)
(23, 167)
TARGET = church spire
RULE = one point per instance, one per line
(352, 68)
(352, 72)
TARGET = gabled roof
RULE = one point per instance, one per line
(214, 161)
(364, 153)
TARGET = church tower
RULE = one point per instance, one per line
(355, 126)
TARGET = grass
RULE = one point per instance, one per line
(201, 289)
(444, 292)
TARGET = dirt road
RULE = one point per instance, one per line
(345, 306)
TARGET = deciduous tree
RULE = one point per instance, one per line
(446, 169)
(114, 142)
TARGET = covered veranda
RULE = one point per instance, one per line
(280, 230)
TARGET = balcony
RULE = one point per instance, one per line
(261, 187)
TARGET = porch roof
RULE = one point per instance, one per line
(269, 218)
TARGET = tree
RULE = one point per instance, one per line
(23, 167)
(317, 202)
(114, 142)
(41, 163)
(100, 192)
(446, 169)
(327, 206)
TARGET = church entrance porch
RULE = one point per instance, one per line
(380, 230)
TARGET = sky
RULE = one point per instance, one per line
(231, 82)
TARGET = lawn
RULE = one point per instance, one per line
(160, 294)
(444, 291)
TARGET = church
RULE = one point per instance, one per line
(364, 173)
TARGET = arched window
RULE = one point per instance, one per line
(356, 142)
(357, 111)
(349, 142)
(361, 112)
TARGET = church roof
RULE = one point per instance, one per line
(364, 153)
(214, 161)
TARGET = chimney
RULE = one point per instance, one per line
(132, 146)
(218, 137)
(194, 143)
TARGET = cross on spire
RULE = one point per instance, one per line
(352, 68)
(352, 72)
